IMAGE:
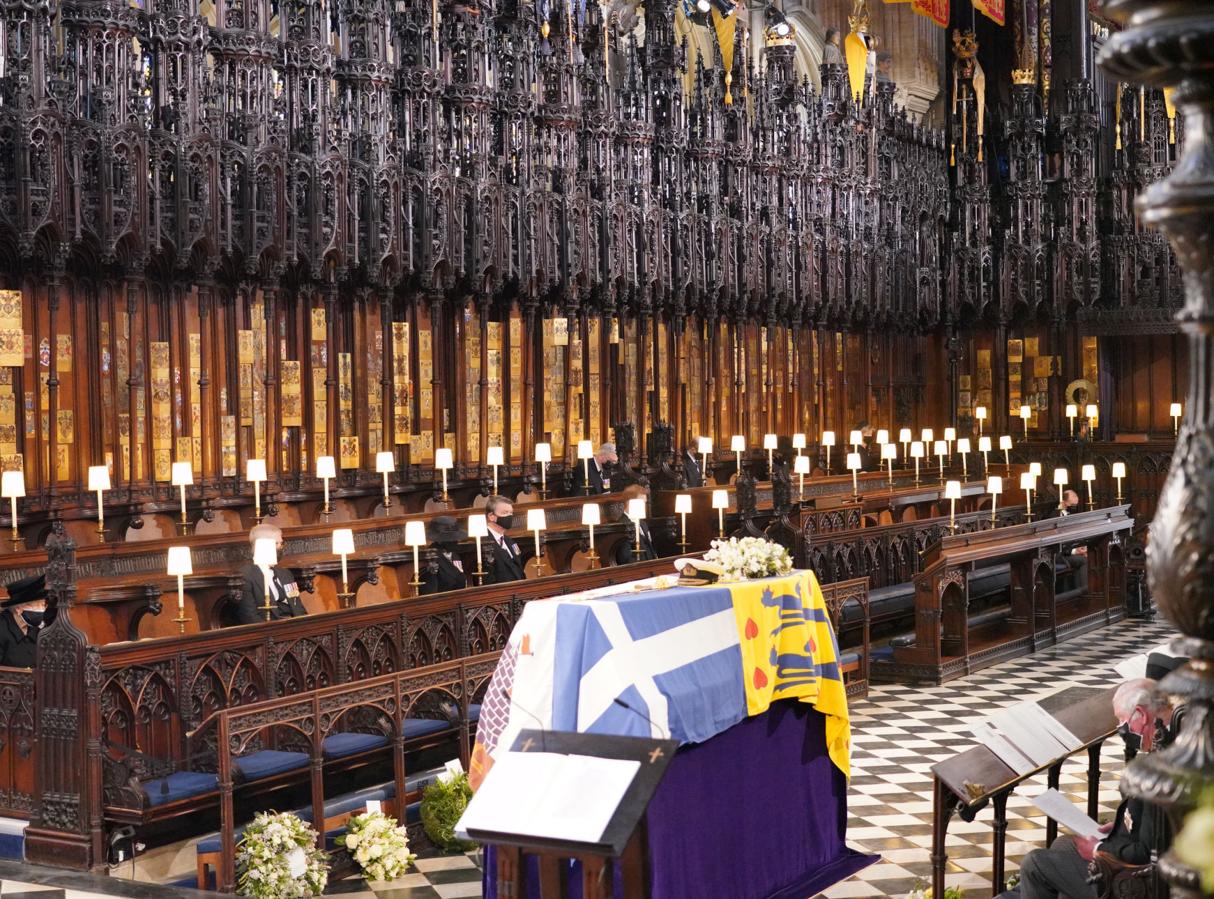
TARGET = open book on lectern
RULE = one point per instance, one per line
(564, 788)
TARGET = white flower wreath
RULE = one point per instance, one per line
(749, 558)
(378, 844)
(277, 858)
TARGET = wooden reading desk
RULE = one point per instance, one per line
(968, 780)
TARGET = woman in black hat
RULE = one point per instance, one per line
(20, 621)
(448, 572)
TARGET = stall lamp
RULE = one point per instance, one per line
(964, 450)
(769, 443)
(1118, 474)
(682, 507)
(536, 522)
(801, 468)
(1027, 480)
(265, 557)
(585, 451)
(904, 437)
(1071, 412)
(415, 536)
(1060, 480)
(798, 442)
(326, 469)
(1025, 414)
(828, 440)
(704, 446)
(853, 464)
(994, 486)
(952, 492)
(720, 502)
(543, 455)
(495, 456)
(343, 545)
(737, 445)
(254, 473)
(984, 447)
(182, 477)
(180, 565)
(1088, 474)
(889, 452)
(1176, 410)
(478, 527)
(980, 414)
(636, 511)
(1005, 444)
(941, 452)
(12, 487)
(385, 464)
(916, 451)
(99, 482)
(444, 461)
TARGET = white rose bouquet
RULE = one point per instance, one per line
(277, 858)
(378, 844)
(749, 558)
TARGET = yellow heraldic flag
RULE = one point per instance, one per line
(789, 651)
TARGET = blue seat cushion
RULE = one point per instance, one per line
(269, 762)
(849, 658)
(474, 712)
(180, 785)
(338, 746)
(412, 728)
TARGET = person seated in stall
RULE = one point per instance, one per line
(21, 620)
(625, 549)
(692, 476)
(600, 467)
(284, 592)
(1144, 717)
(507, 557)
(445, 535)
(832, 50)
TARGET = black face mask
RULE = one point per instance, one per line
(1133, 741)
(505, 522)
(32, 618)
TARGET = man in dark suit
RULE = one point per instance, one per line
(625, 550)
(600, 472)
(507, 562)
(447, 573)
(21, 620)
(692, 474)
(1143, 715)
(284, 592)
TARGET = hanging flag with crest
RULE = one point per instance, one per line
(992, 9)
(936, 10)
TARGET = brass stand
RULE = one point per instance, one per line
(267, 608)
(347, 599)
(101, 533)
(183, 528)
(683, 546)
(593, 562)
(480, 577)
(416, 584)
(16, 541)
(180, 622)
(637, 552)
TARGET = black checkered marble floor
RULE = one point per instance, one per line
(440, 877)
(900, 731)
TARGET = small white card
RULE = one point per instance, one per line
(373, 806)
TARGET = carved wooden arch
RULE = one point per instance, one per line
(371, 651)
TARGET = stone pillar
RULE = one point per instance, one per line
(1163, 44)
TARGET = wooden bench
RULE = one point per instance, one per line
(946, 646)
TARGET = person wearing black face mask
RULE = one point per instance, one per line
(447, 573)
(1136, 832)
(507, 564)
(21, 621)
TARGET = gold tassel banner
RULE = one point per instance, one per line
(724, 27)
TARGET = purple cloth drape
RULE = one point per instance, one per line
(757, 811)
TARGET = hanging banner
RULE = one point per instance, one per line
(936, 10)
(992, 9)
(12, 337)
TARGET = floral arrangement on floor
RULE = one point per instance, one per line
(277, 858)
(1194, 845)
(923, 890)
(748, 558)
(378, 844)
(443, 804)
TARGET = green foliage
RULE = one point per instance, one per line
(442, 806)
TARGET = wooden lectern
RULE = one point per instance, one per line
(623, 839)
